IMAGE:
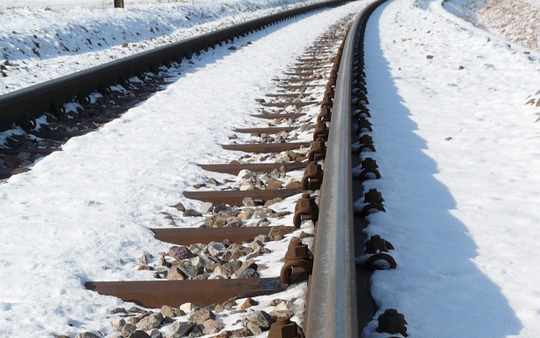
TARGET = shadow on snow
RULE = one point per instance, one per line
(437, 286)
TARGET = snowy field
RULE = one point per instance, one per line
(457, 145)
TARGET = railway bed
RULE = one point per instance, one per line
(298, 154)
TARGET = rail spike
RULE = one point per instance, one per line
(374, 201)
(306, 209)
(298, 263)
(285, 328)
(313, 176)
(370, 170)
(391, 321)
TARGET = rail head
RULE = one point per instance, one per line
(332, 308)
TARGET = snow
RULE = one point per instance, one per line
(458, 152)
(65, 227)
(457, 147)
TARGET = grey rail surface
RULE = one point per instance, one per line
(332, 309)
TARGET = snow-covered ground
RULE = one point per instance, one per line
(516, 21)
(47, 39)
(459, 151)
(457, 145)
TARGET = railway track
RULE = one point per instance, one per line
(300, 154)
(101, 94)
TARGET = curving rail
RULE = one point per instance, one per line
(31, 102)
(332, 308)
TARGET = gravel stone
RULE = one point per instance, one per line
(163, 262)
(213, 181)
(273, 201)
(234, 222)
(190, 270)
(216, 249)
(139, 334)
(212, 326)
(254, 328)
(273, 184)
(150, 322)
(155, 333)
(247, 273)
(86, 335)
(180, 329)
(207, 207)
(118, 324)
(262, 239)
(248, 202)
(230, 268)
(201, 315)
(255, 245)
(179, 207)
(201, 260)
(245, 215)
(180, 252)
(241, 333)
(186, 307)
(249, 302)
(117, 310)
(245, 174)
(221, 207)
(278, 232)
(128, 329)
(175, 273)
(294, 185)
(137, 310)
(223, 219)
(192, 213)
(168, 311)
(257, 321)
(248, 264)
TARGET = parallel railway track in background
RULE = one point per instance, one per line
(338, 303)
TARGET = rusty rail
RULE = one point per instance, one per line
(31, 102)
(332, 309)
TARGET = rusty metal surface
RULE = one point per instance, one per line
(265, 130)
(16, 151)
(186, 236)
(298, 262)
(283, 104)
(273, 116)
(306, 209)
(283, 327)
(235, 197)
(154, 294)
(234, 168)
(265, 147)
(332, 308)
(294, 95)
(8, 172)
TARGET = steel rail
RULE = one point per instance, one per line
(36, 100)
(332, 306)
